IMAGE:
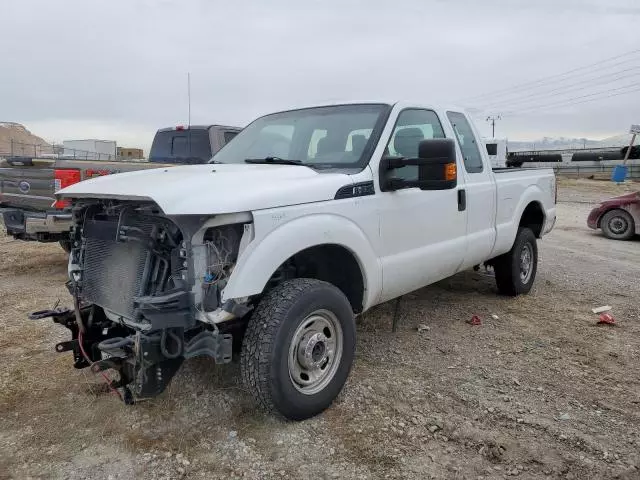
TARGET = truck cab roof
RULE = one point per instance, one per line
(199, 127)
(192, 144)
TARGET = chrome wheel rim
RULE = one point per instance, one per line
(526, 263)
(618, 225)
(315, 352)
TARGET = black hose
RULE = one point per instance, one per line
(76, 309)
(90, 319)
(163, 344)
(115, 343)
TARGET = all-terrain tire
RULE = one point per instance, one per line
(267, 346)
(510, 277)
(618, 225)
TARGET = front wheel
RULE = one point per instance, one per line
(617, 225)
(516, 270)
(298, 348)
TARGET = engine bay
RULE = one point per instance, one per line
(141, 288)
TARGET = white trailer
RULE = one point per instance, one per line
(497, 151)
(90, 149)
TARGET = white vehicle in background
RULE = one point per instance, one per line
(496, 149)
(306, 219)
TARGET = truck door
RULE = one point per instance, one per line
(480, 192)
(422, 232)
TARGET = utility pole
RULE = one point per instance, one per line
(492, 120)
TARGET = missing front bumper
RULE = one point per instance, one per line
(144, 363)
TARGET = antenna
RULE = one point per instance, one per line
(189, 96)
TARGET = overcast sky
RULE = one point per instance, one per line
(117, 69)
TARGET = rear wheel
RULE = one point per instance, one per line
(617, 225)
(298, 348)
(516, 270)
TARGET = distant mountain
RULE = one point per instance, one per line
(617, 140)
(17, 140)
(559, 143)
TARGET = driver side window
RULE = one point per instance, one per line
(412, 126)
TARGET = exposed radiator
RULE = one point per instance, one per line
(114, 272)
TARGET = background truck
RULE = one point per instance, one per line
(307, 218)
(27, 185)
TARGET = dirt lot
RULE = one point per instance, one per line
(540, 391)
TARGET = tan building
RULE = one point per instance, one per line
(130, 153)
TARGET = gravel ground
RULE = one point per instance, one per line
(538, 391)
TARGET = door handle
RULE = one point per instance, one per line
(462, 200)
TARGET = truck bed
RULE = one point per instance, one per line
(512, 169)
(27, 187)
(29, 183)
(514, 186)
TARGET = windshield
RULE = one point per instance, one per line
(191, 145)
(340, 136)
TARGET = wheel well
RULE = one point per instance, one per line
(533, 218)
(610, 209)
(331, 263)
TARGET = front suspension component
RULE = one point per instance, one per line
(145, 363)
(97, 329)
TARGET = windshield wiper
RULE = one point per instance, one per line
(273, 160)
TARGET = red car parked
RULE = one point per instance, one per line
(618, 217)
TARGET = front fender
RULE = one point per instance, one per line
(262, 257)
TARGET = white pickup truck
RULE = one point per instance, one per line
(307, 218)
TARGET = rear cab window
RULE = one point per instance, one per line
(181, 146)
(228, 136)
(354, 144)
(467, 142)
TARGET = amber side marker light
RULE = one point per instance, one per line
(450, 171)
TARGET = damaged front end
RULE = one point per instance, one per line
(147, 292)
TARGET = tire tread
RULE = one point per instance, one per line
(503, 266)
(259, 338)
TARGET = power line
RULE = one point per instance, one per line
(556, 78)
(569, 102)
(546, 79)
(564, 90)
(570, 86)
(544, 84)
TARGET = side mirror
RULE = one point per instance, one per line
(436, 164)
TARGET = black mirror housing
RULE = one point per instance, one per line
(436, 163)
(439, 172)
